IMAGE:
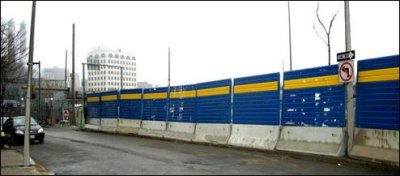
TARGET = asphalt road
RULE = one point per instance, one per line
(71, 152)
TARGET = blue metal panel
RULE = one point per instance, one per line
(109, 109)
(311, 72)
(214, 109)
(257, 79)
(377, 105)
(322, 106)
(154, 109)
(379, 63)
(314, 106)
(131, 109)
(182, 109)
(94, 108)
(261, 108)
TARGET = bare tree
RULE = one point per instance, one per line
(13, 52)
(327, 32)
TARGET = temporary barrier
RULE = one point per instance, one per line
(109, 111)
(93, 111)
(313, 112)
(256, 112)
(213, 111)
(180, 123)
(376, 134)
(154, 112)
(130, 111)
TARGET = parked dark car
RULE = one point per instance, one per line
(14, 129)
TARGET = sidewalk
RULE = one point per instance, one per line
(12, 163)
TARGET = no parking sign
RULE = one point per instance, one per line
(346, 71)
(65, 115)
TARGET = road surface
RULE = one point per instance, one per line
(69, 152)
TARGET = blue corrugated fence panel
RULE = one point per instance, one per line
(213, 106)
(94, 108)
(319, 104)
(155, 104)
(323, 106)
(378, 63)
(130, 108)
(257, 79)
(182, 103)
(109, 108)
(256, 107)
(377, 105)
(311, 72)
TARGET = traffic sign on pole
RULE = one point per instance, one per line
(65, 115)
(346, 71)
(348, 55)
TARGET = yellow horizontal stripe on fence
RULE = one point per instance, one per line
(318, 81)
(256, 87)
(162, 95)
(386, 74)
(135, 96)
(183, 94)
(93, 99)
(213, 91)
(108, 97)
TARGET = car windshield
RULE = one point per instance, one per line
(21, 121)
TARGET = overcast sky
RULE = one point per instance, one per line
(208, 40)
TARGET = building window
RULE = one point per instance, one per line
(103, 55)
(122, 57)
(128, 58)
(116, 56)
(110, 55)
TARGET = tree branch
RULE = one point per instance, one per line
(318, 34)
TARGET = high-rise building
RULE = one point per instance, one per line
(55, 77)
(107, 75)
(144, 84)
(54, 73)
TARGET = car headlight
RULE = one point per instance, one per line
(40, 130)
(19, 131)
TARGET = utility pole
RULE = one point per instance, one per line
(40, 94)
(169, 88)
(83, 94)
(73, 75)
(349, 86)
(28, 91)
(66, 63)
(40, 103)
(290, 37)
